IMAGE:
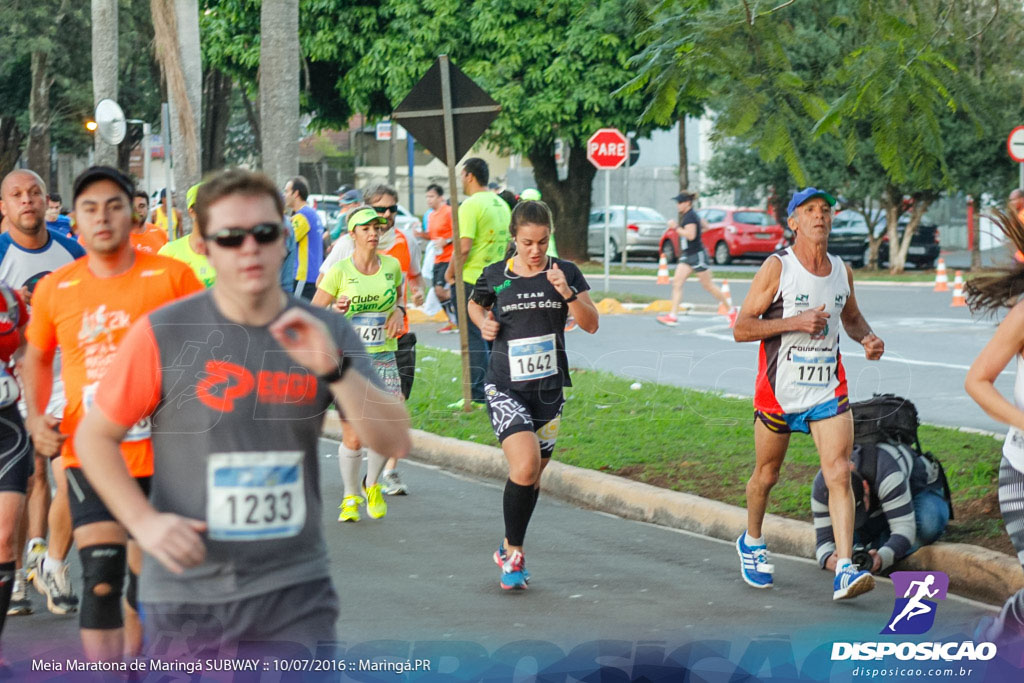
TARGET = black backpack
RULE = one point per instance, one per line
(890, 419)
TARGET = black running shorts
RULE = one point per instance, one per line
(514, 411)
(16, 456)
(86, 505)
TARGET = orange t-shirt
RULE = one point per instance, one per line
(87, 316)
(439, 227)
(400, 251)
(149, 241)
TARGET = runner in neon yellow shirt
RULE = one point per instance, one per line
(368, 289)
(184, 249)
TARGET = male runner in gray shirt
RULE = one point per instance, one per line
(236, 381)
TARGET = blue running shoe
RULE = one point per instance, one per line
(754, 563)
(852, 582)
(512, 572)
(499, 559)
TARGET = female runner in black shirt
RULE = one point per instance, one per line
(520, 305)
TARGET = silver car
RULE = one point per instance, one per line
(640, 233)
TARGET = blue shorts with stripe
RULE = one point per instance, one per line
(786, 423)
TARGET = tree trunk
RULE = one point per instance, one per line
(569, 199)
(898, 263)
(217, 112)
(279, 88)
(892, 202)
(186, 116)
(39, 117)
(176, 25)
(11, 139)
(104, 67)
(684, 159)
(252, 115)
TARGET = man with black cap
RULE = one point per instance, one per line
(86, 308)
(694, 259)
(794, 307)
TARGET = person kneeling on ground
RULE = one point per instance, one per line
(895, 513)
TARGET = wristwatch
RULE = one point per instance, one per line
(337, 373)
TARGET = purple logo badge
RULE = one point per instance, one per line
(916, 593)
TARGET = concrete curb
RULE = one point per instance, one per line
(973, 571)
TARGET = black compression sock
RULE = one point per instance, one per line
(6, 588)
(518, 505)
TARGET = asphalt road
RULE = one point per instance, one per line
(929, 348)
(421, 584)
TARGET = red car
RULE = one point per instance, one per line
(729, 234)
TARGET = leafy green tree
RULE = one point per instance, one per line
(552, 66)
(874, 89)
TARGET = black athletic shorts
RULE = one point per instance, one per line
(439, 270)
(514, 411)
(17, 461)
(699, 261)
(86, 505)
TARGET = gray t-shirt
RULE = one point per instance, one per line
(235, 424)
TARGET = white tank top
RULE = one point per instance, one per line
(802, 371)
(1013, 447)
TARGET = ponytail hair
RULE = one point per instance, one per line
(532, 212)
(999, 287)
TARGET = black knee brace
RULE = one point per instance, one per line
(103, 570)
(131, 591)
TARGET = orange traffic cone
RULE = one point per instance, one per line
(958, 290)
(662, 270)
(724, 308)
(941, 280)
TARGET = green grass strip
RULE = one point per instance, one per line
(682, 439)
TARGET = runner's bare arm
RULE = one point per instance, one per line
(483, 318)
(173, 540)
(37, 379)
(857, 327)
(688, 231)
(380, 419)
(396, 321)
(750, 326)
(465, 244)
(1006, 343)
(321, 299)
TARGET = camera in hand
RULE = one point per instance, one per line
(862, 558)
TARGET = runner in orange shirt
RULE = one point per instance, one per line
(85, 308)
(145, 236)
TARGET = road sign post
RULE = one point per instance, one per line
(447, 112)
(1015, 146)
(608, 148)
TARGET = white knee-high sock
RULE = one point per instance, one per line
(374, 466)
(350, 461)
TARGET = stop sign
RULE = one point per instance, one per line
(607, 148)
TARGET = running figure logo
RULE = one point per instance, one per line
(914, 612)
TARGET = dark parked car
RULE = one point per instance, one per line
(728, 234)
(850, 232)
(849, 238)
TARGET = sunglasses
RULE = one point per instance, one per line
(232, 238)
(384, 209)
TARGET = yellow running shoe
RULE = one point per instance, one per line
(376, 507)
(350, 509)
